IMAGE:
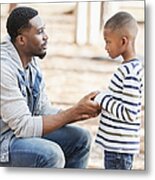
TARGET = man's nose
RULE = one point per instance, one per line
(45, 36)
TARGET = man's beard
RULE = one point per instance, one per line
(41, 56)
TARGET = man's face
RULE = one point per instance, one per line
(35, 38)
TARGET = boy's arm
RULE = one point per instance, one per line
(128, 106)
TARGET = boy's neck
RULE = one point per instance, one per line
(128, 56)
(129, 59)
(123, 62)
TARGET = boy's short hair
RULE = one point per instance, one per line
(19, 19)
(122, 21)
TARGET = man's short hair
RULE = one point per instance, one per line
(19, 19)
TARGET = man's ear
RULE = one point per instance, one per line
(20, 39)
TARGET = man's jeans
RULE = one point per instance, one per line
(114, 160)
(67, 147)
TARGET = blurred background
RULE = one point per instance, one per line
(76, 62)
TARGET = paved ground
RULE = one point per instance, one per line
(72, 71)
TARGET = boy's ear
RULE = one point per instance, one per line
(124, 40)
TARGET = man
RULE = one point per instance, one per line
(33, 133)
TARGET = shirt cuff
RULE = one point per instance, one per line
(38, 126)
(99, 97)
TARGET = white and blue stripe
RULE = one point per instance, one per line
(121, 110)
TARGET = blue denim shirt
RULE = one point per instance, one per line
(23, 99)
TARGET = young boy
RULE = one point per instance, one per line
(118, 132)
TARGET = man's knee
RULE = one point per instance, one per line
(87, 138)
(84, 137)
(52, 157)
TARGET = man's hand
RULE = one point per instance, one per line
(87, 107)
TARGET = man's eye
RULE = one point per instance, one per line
(40, 31)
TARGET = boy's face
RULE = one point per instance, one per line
(113, 43)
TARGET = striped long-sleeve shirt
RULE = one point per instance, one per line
(119, 129)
